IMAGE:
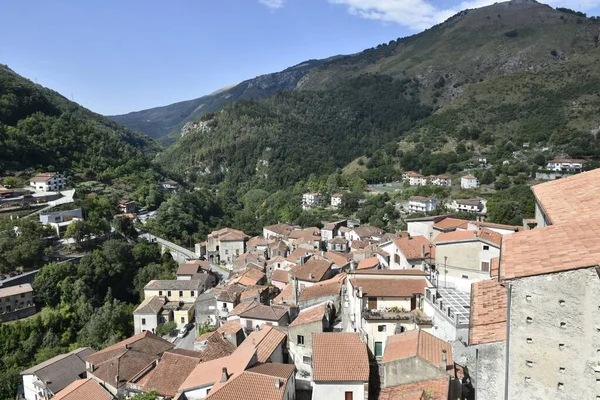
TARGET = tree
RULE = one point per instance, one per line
(79, 231)
(108, 324)
(153, 395)
(502, 183)
(125, 227)
(47, 282)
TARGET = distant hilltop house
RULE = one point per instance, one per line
(442, 180)
(467, 205)
(310, 200)
(469, 182)
(336, 200)
(565, 165)
(60, 220)
(225, 245)
(415, 179)
(48, 182)
(170, 185)
(421, 204)
(16, 302)
(127, 206)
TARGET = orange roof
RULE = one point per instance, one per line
(265, 341)
(285, 296)
(240, 308)
(170, 373)
(81, 389)
(368, 263)
(571, 198)
(229, 235)
(253, 292)
(306, 233)
(382, 287)
(429, 389)
(389, 272)
(265, 313)
(193, 267)
(418, 343)
(495, 267)
(265, 382)
(414, 247)
(230, 327)
(338, 259)
(551, 249)
(280, 275)
(340, 357)
(313, 270)
(310, 315)
(469, 177)
(216, 346)
(451, 223)
(484, 234)
(330, 287)
(298, 253)
(43, 177)
(488, 312)
(250, 277)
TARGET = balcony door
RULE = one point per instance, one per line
(372, 303)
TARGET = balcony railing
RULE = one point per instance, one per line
(415, 316)
(459, 321)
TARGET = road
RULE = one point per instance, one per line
(188, 341)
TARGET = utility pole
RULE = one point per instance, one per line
(445, 271)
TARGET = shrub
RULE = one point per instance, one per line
(166, 328)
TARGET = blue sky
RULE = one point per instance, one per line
(116, 56)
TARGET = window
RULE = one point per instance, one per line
(396, 258)
(300, 340)
(378, 349)
(226, 251)
(381, 328)
(143, 321)
(160, 292)
(183, 320)
(485, 266)
(192, 293)
(22, 295)
(181, 293)
(224, 305)
(169, 293)
(306, 360)
(348, 396)
(465, 276)
(486, 247)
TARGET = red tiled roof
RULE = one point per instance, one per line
(310, 315)
(437, 388)
(418, 343)
(368, 263)
(393, 272)
(451, 223)
(340, 357)
(242, 307)
(83, 389)
(382, 287)
(230, 327)
(280, 275)
(43, 177)
(488, 312)
(254, 384)
(193, 267)
(414, 247)
(216, 346)
(169, 374)
(330, 287)
(264, 313)
(265, 340)
(484, 234)
(250, 277)
(313, 270)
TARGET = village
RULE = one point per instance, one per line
(448, 309)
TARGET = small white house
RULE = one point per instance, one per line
(469, 182)
(565, 165)
(442, 180)
(468, 205)
(310, 200)
(421, 204)
(48, 182)
(414, 178)
(336, 200)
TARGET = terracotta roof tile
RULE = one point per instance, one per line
(253, 384)
(340, 357)
(368, 263)
(451, 224)
(367, 231)
(250, 277)
(414, 247)
(278, 370)
(151, 305)
(83, 389)
(313, 270)
(310, 315)
(280, 275)
(169, 374)
(437, 388)
(265, 341)
(483, 234)
(388, 272)
(281, 229)
(298, 253)
(264, 313)
(488, 312)
(242, 307)
(285, 296)
(392, 287)
(418, 343)
(330, 287)
(228, 293)
(252, 292)
(230, 327)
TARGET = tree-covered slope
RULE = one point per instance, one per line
(41, 129)
(166, 122)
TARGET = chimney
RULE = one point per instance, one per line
(444, 360)
(422, 251)
(277, 383)
(224, 375)
(127, 346)
(311, 276)
(360, 291)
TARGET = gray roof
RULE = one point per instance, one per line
(62, 370)
(193, 284)
(151, 305)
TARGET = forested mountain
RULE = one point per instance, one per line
(41, 129)
(166, 122)
(512, 72)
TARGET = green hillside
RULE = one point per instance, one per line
(41, 129)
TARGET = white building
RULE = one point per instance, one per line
(48, 182)
(225, 245)
(409, 252)
(442, 180)
(421, 204)
(469, 182)
(414, 178)
(565, 165)
(467, 205)
(150, 314)
(336, 200)
(310, 200)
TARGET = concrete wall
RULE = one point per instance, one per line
(257, 322)
(540, 217)
(298, 351)
(485, 365)
(228, 251)
(197, 394)
(335, 299)
(371, 328)
(183, 317)
(464, 255)
(150, 325)
(421, 228)
(554, 324)
(443, 327)
(337, 390)
(409, 370)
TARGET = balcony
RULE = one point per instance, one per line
(397, 314)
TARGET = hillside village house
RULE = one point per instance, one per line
(60, 220)
(310, 200)
(421, 204)
(16, 302)
(414, 178)
(464, 257)
(258, 314)
(311, 272)
(45, 380)
(565, 165)
(126, 206)
(48, 182)
(84, 389)
(338, 244)
(442, 180)
(408, 252)
(150, 313)
(332, 229)
(225, 245)
(336, 200)
(365, 232)
(469, 182)
(191, 269)
(278, 231)
(467, 205)
(382, 303)
(340, 367)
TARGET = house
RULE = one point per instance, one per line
(250, 277)
(16, 302)
(365, 232)
(332, 229)
(150, 313)
(380, 305)
(442, 180)
(469, 182)
(369, 263)
(312, 271)
(467, 205)
(336, 200)
(213, 345)
(273, 381)
(60, 220)
(464, 257)
(449, 310)
(565, 165)
(45, 380)
(257, 244)
(48, 182)
(83, 389)
(338, 243)
(310, 200)
(277, 248)
(333, 354)
(259, 293)
(180, 295)
(309, 236)
(191, 269)
(280, 278)
(300, 334)
(114, 366)
(340, 261)
(165, 376)
(415, 363)
(258, 314)
(502, 229)
(126, 206)
(278, 231)
(269, 343)
(324, 291)
(232, 331)
(225, 245)
(228, 298)
(170, 185)
(414, 178)
(407, 252)
(421, 204)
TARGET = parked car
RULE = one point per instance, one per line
(182, 332)
(11, 274)
(2, 277)
(189, 326)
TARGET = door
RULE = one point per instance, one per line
(249, 325)
(372, 303)
(413, 302)
(348, 396)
